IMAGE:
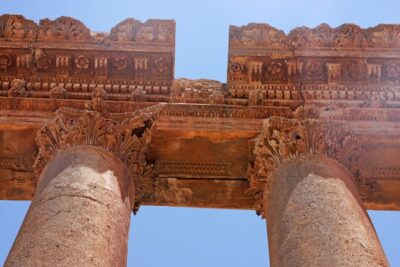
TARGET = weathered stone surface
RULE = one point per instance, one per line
(323, 64)
(80, 213)
(316, 218)
(266, 140)
(134, 59)
(206, 133)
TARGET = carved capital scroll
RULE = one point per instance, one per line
(126, 138)
(282, 140)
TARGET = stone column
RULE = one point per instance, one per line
(316, 218)
(311, 202)
(80, 213)
(88, 166)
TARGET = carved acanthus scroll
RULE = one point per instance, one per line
(198, 91)
(64, 29)
(126, 138)
(284, 139)
(17, 27)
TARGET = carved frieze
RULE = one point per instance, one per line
(304, 83)
(17, 27)
(169, 168)
(17, 162)
(17, 88)
(64, 51)
(311, 58)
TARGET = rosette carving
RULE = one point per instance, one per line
(282, 140)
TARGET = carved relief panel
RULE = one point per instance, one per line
(324, 63)
(63, 52)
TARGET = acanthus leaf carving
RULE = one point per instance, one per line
(126, 138)
(284, 139)
(5, 61)
(257, 34)
(97, 103)
(17, 89)
(384, 36)
(145, 184)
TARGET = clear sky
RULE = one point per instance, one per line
(182, 237)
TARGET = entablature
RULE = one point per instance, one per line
(204, 137)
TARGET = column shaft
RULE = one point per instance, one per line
(315, 218)
(80, 214)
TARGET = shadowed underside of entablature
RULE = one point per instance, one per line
(203, 143)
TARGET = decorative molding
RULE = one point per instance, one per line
(348, 61)
(16, 27)
(222, 111)
(17, 162)
(64, 29)
(323, 36)
(69, 32)
(145, 185)
(257, 34)
(283, 139)
(386, 172)
(198, 91)
(133, 57)
(193, 169)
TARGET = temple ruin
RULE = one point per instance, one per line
(306, 132)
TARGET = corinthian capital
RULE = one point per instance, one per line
(282, 140)
(124, 135)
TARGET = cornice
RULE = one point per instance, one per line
(69, 33)
(345, 36)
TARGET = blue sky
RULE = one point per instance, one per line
(182, 237)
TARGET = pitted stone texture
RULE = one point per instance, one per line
(80, 214)
(316, 219)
